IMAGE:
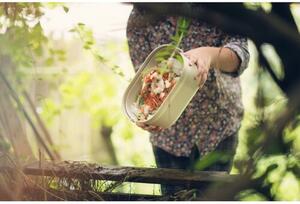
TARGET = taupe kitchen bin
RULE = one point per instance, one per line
(176, 101)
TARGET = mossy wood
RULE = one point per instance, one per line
(86, 171)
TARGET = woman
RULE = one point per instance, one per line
(212, 119)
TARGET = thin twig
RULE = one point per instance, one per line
(21, 107)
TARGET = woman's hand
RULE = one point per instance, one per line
(223, 59)
(202, 57)
(150, 128)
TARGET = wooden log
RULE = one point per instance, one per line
(86, 171)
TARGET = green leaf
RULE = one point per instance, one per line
(87, 47)
(179, 58)
(4, 145)
(211, 159)
(163, 69)
(49, 61)
(72, 30)
(89, 42)
(66, 9)
(100, 58)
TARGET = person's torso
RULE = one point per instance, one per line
(216, 110)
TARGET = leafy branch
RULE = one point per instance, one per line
(89, 43)
(164, 57)
(181, 31)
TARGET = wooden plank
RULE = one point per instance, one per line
(82, 170)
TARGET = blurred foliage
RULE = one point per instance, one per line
(266, 6)
(251, 195)
(21, 34)
(89, 43)
(211, 158)
(5, 146)
(22, 38)
(279, 166)
(95, 92)
(89, 92)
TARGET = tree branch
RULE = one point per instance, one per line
(234, 18)
(283, 11)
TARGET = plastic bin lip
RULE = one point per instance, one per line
(163, 108)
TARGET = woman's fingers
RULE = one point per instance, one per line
(202, 73)
(202, 70)
(203, 80)
(200, 80)
(141, 125)
(155, 129)
(192, 60)
(151, 128)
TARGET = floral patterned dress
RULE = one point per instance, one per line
(216, 111)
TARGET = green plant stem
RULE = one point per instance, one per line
(176, 46)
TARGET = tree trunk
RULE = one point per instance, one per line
(106, 135)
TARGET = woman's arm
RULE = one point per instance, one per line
(221, 58)
(232, 58)
(205, 58)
